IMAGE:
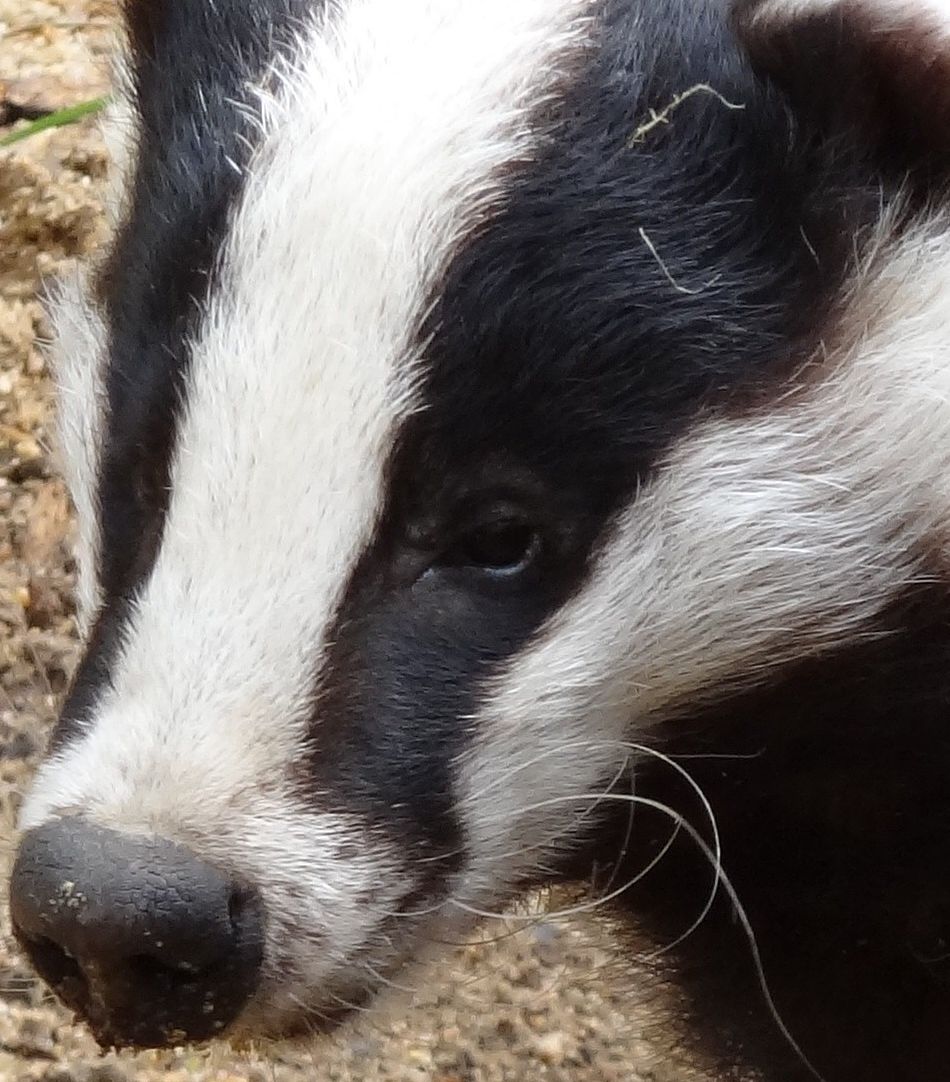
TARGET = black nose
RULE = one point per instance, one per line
(150, 945)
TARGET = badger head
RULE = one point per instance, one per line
(468, 388)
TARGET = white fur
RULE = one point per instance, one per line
(120, 132)
(80, 343)
(763, 539)
(382, 147)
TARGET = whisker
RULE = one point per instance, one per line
(438, 857)
(581, 907)
(387, 981)
(39, 668)
(731, 893)
(559, 749)
(608, 894)
(400, 914)
(359, 1007)
(625, 844)
(735, 756)
(717, 844)
(642, 749)
(527, 921)
(309, 1011)
(546, 843)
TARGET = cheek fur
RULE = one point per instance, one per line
(782, 535)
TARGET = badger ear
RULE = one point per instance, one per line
(878, 67)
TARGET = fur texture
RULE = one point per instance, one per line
(418, 289)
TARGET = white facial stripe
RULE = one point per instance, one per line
(386, 141)
(120, 131)
(764, 539)
(80, 344)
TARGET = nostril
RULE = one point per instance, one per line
(59, 969)
(54, 960)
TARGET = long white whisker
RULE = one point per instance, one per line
(628, 834)
(717, 844)
(560, 749)
(644, 749)
(721, 755)
(387, 981)
(405, 914)
(347, 1004)
(546, 843)
(733, 896)
(581, 907)
(308, 1010)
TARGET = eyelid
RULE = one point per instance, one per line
(467, 515)
(491, 513)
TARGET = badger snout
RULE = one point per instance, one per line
(148, 943)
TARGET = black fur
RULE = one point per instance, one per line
(561, 365)
(847, 67)
(829, 788)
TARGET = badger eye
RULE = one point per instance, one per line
(500, 548)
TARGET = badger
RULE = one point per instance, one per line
(511, 444)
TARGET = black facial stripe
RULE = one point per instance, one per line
(559, 322)
(191, 65)
(561, 361)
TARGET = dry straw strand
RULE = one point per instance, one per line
(658, 119)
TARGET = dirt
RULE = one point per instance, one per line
(537, 999)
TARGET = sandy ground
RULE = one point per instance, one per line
(539, 1004)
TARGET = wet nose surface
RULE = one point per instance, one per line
(150, 945)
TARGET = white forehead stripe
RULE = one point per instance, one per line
(764, 539)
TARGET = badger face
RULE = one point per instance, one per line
(468, 389)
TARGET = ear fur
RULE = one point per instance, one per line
(878, 67)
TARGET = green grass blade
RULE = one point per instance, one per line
(55, 120)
